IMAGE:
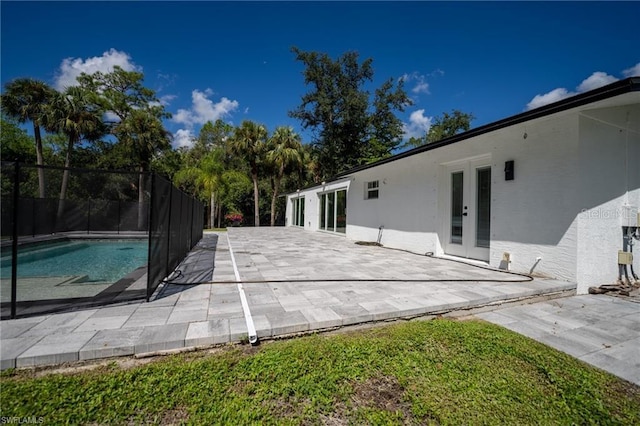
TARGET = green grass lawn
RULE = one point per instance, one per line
(422, 372)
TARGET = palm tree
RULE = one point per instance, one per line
(207, 176)
(26, 100)
(70, 113)
(284, 152)
(143, 133)
(248, 142)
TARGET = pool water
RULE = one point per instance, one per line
(98, 260)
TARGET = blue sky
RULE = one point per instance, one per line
(232, 60)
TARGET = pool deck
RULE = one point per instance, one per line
(296, 281)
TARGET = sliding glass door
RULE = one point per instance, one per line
(297, 211)
(333, 211)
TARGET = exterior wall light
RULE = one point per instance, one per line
(509, 170)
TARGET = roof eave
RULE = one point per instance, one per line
(620, 87)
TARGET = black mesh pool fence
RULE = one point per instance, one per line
(98, 204)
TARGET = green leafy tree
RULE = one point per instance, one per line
(448, 125)
(125, 102)
(213, 135)
(145, 136)
(386, 128)
(444, 126)
(234, 186)
(15, 143)
(284, 153)
(349, 128)
(27, 99)
(121, 92)
(249, 143)
(206, 177)
(72, 114)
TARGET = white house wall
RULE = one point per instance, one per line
(610, 190)
(312, 203)
(531, 216)
(566, 165)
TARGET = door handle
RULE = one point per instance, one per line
(464, 214)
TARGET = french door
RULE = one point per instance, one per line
(468, 218)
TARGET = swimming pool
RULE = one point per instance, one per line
(103, 261)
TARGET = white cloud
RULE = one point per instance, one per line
(204, 109)
(166, 99)
(634, 71)
(183, 137)
(595, 80)
(553, 96)
(418, 125)
(418, 82)
(70, 68)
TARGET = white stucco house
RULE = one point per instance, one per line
(552, 187)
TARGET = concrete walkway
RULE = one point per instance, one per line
(601, 330)
(294, 281)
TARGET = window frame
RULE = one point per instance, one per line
(370, 190)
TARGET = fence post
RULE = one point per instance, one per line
(166, 262)
(151, 223)
(33, 217)
(119, 213)
(193, 208)
(14, 243)
(88, 216)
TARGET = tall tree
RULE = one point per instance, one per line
(211, 136)
(144, 135)
(121, 92)
(26, 100)
(207, 176)
(386, 128)
(248, 142)
(72, 114)
(444, 126)
(135, 115)
(349, 129)
(284, 152)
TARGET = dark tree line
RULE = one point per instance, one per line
(112, 121)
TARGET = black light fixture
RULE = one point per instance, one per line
(508, 170)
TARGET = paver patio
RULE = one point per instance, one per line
(295, 281)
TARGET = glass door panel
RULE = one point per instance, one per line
(457, 202)
(323, 211)
(341, 211)
(294, 212)
(331, 214)
(483, 207)
(301, 212)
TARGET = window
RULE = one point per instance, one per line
(371, 190)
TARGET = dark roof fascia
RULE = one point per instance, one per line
(631, 84)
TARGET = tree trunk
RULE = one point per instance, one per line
(141, 212)
(276, 187)
(39, 160)
(65, 181)
(212, 216)
(256, 212)
(219, 214)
